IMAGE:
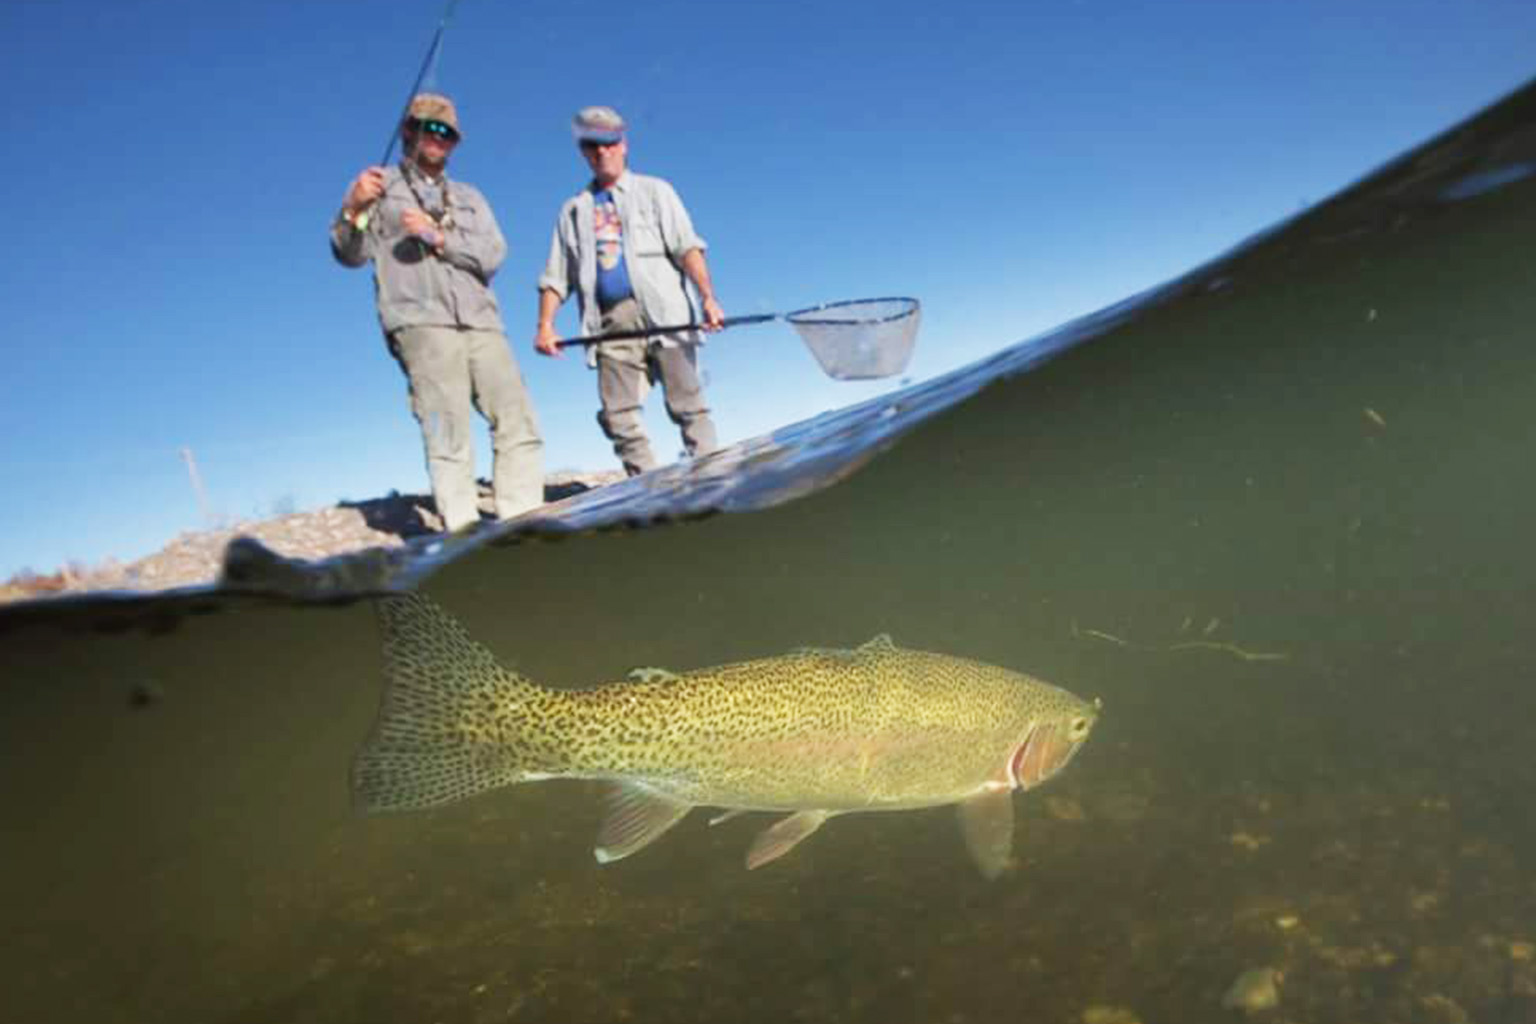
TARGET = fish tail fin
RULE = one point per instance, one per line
(450, 721)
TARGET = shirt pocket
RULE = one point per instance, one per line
(643, 233)
(466, 214)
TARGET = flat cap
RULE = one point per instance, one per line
(598, 124)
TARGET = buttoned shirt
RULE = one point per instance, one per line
(657, 234)
(413, 286)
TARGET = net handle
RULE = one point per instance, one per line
(646, 332)
(800, 317)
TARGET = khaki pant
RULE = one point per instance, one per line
(626, 370)
(449, 370)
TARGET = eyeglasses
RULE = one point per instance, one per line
(599, 143)
(438, 128)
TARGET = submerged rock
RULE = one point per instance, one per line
(1255, 990)
(1100, 1013)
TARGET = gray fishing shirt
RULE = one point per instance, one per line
(414, 287)
(657, 234)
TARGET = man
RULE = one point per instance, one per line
(627, 247)
(435, 246)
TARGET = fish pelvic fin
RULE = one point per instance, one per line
(452, 721)
(784, 835)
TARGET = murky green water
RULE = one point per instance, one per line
(1281, 525)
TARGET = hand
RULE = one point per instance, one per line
(416, 222)
(364, 190)
(546, 341)
(714, 316)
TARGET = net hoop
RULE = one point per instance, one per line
(895, 308)
(860, 339)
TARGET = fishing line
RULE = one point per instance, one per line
(427, 73)
(429, 65)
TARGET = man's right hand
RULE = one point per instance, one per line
(546, 341)
(364, 190)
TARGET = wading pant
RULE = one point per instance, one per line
(625, 372)
(450, 370)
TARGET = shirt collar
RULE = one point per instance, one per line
(410, 169)
(620, 184)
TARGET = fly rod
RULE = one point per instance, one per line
(428, 65)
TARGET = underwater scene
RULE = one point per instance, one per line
(1236, 577)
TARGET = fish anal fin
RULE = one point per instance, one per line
(637, 817)
(651, 674)
(986, 822)
(784, 835)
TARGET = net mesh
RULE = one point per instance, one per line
(860, 340)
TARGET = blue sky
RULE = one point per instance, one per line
(174, 166)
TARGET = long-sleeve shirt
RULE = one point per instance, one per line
(414, 286)
(657, 234)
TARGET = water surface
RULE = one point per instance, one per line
(1276, 517)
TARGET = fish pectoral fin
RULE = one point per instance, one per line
(651, 674)
(637, 817)
(783, 835)
(986, 822)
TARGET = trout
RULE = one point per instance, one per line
(812, 734)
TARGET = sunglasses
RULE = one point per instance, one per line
(438, 128)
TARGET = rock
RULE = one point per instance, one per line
(1100, 1013)
(1254, 991)
(145, 693)
(1064, 808)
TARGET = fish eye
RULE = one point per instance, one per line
(1078, 729)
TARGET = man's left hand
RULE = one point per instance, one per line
(714, 316)
(416, 222)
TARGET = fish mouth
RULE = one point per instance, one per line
(1045, 751)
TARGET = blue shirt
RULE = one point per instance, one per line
(613, 284)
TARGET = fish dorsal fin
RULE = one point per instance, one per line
(881, 644)
(637, 817)
(651, 674)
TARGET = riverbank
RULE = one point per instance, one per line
(194, 558)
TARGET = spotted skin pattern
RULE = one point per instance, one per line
(877, 727)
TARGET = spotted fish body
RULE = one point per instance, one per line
(815, 733)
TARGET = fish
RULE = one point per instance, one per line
(813, 734)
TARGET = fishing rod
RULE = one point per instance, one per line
(428, 65)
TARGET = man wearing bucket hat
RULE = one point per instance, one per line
(435, 245)
(626, 246)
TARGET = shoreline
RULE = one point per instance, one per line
(195, 557)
